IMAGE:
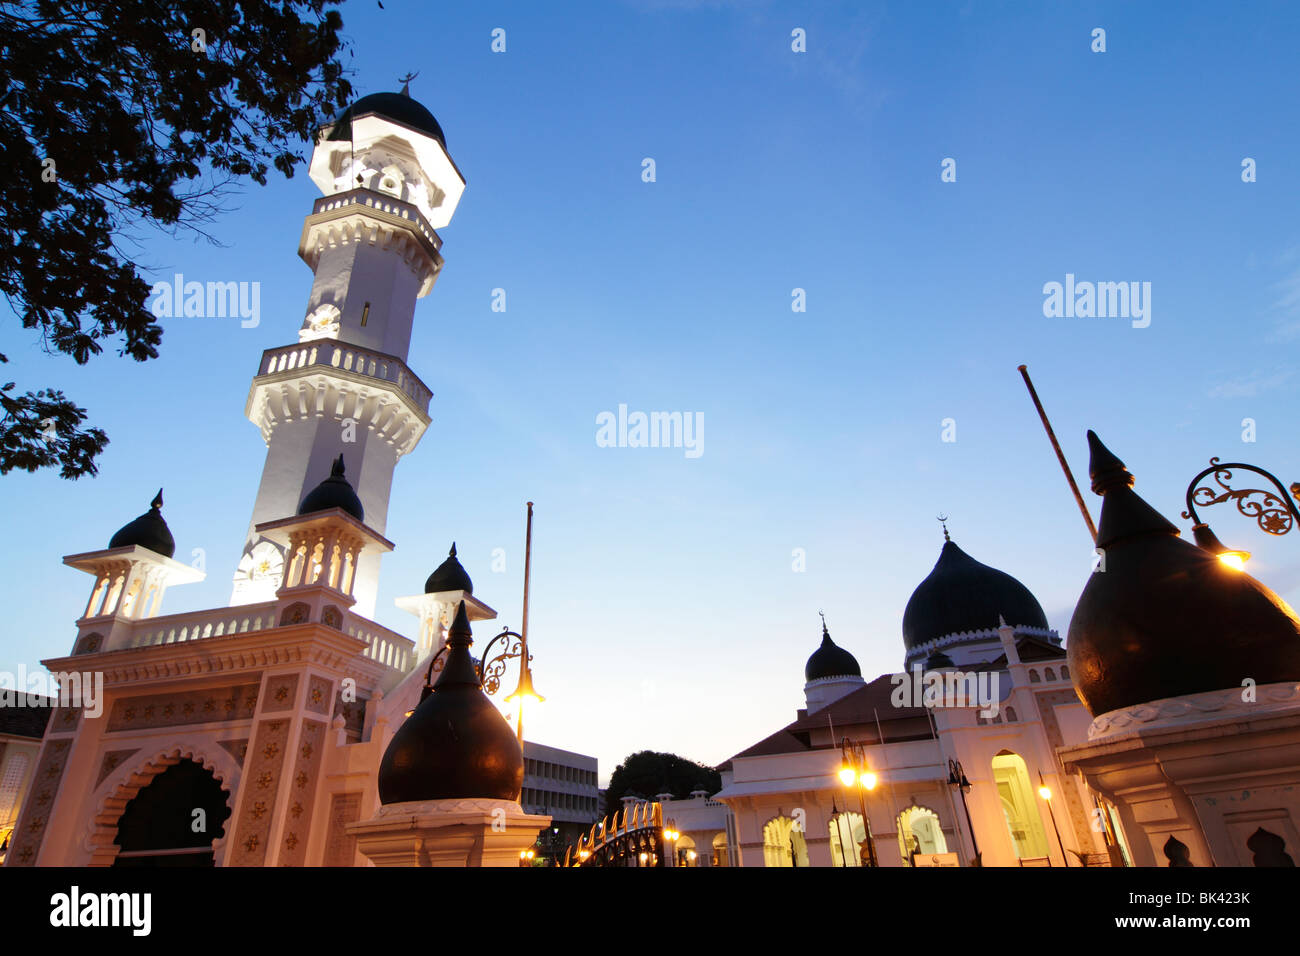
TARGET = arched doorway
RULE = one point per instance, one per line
(720, 850)
(174, 820)
(847, 836)
(919, 832)
(686, 852)
(1018, 807)
(783, 843)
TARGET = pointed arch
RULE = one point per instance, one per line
(124, 784)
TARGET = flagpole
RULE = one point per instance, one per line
(1060, 456)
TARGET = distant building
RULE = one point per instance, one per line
(565, 785)
(21, 729)
(703, 824)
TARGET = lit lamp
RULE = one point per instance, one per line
(1274, 513)
(855, 772)
(1045, 792)
(1208, 540)
(524, 691)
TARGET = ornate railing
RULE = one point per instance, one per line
(394, 207)
(196, 625)
(634, 836)
(387, 647)
(349, 358)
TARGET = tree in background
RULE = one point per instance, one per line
(647, 773)
(115, 116)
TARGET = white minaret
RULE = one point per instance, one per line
(344, 387)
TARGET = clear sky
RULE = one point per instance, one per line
(666, 611)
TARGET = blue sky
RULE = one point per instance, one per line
(666, 614)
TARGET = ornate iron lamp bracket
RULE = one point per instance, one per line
(1274, 513)
(492, 669)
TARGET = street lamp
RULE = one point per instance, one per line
(1045, 792)
(855, 772)
(1274, 513)
(957, 778)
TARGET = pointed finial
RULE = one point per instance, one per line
(337, 470)
(943, 520)
(826, 634)
(452, 552)
(459, 667)
(1107, 471)
(156, 504)
(406, 82)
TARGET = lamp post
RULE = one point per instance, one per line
(1274, 513)
(855, 772)
(1045, 792)
(957, 778)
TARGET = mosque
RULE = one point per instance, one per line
(1167, 734)
(274, 731)
(252, 734)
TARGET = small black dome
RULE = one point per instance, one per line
(449, 576)
(149, 531)
(961, 594)
(456, 744)
(333, 492)
(398, 107)
(830, 660)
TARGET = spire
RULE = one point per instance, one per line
(157, 502)
(943, 520)
(826, 635)
(337, 470)
(1123, 512)
(406, 82)
(459, 668)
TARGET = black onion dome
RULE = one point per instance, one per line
(1166, 618)
(334, 492)
(149, 531)
(961, 594)
(449, 576)
(456, 744)
(830, 660)
(398, 107)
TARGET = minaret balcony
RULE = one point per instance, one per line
(340, 381)
(361, 215)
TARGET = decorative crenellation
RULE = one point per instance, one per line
(990, 634)
(385, 223)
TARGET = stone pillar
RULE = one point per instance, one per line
(464, 832)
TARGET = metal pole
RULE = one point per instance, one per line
(1051, 435)
(523, 632)
(1052, 813)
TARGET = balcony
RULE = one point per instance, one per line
(329, 353)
